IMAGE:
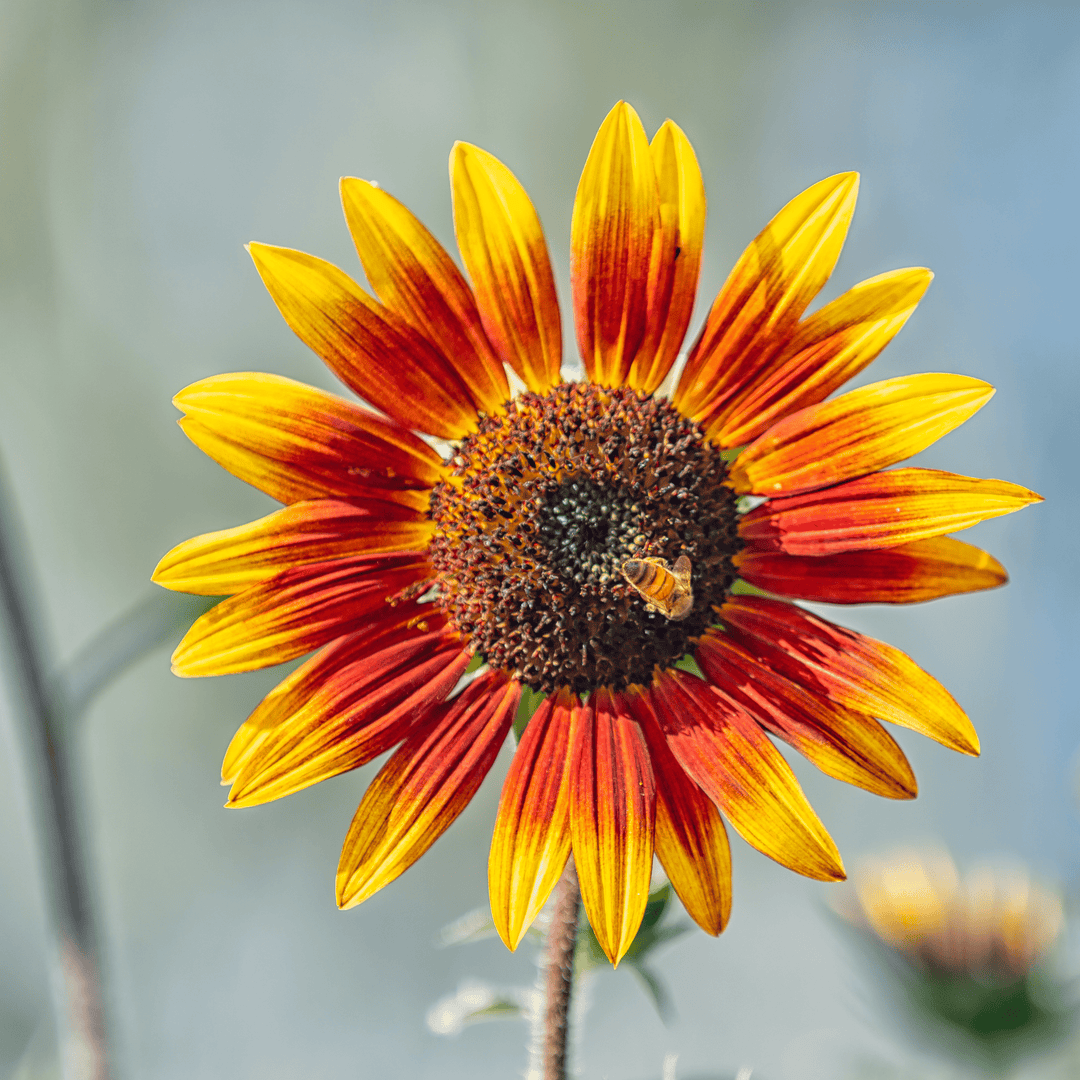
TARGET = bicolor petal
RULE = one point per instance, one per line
(732, 760)
(843, 744)
(301, 610)
(828, 348)
(757, 310)
(691, 841)
(531, 842)
(504, 251)
(848, 668)
(372, 350)
(296, 442)
(612, 815)
(878, 511)
(676, 258)
(419, 793)
(229, 561)
(908, 574)
(855, 434)
(348, 704)
(414, 277)
(615, 225)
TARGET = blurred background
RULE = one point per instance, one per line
(142, 142)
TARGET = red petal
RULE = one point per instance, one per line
(612, 813)
(295, 442)
(301, 610)
(842, 743)
(413, 275)
(420, 792)
(908, 574)
(879, 511)
(372, 350)
(848, 668)
(531, 842)
(691, 841)
(347, 705)
(734, 763)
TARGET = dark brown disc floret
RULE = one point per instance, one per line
(547, 501)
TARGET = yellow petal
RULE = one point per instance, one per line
(676, 263)
(415, 277)
(855, 434)
(616, 220)
(504, 251)
(828, 348)
(372, 350)
(766, 293)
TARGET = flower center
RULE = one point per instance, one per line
(545, 505)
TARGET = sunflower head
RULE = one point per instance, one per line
(629, 558)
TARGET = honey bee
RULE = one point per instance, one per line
(666, 590)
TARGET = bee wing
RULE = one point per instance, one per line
(681, 570)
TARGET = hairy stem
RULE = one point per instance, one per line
(559, 968)
(51, 784)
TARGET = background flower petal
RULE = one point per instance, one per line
(612, 814)
(879, 511)
(827, 348)
(504, 251)
(231, 560)
(373, 351)
(848, 668)
(857, 433)
(531, 842)
(736, 765)
(414, 277)
(421, 790)
(756, 312)
(616, 221)
(908, 574)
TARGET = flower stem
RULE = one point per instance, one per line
(559, 967)
(52, 788)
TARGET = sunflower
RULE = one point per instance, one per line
(495, 536)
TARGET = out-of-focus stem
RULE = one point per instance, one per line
(52, 786)
(559, 973)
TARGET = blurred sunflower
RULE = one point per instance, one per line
(405, 567)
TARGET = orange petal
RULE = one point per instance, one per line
(908, 574)
(734, 763)
(757, 310)
(531, 842)
(415, 278)
(676, 260)
(848, 668)
(347, 705)
(879, 511)
(229, 561)
(857, 433)
(301, 610)
(422, 789)
(504, 251)
(828, 348)
(372, 350)
(615, 224)
(612, 814)
(842, 743)
(295, 442)
(691, 841)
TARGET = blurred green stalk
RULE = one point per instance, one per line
(51, 771)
